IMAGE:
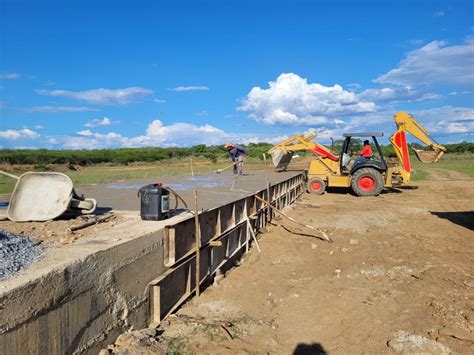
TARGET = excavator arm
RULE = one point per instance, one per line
(407, 123)
(283, 152)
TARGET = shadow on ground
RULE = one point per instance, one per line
(309, 349)
(464, 218)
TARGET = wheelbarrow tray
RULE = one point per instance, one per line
(40, 196)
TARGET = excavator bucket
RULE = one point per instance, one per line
(281, 159)
(428, 156)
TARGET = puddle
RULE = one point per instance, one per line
(182, 183)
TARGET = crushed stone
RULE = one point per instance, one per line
(16, 253)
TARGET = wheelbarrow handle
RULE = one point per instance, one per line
(9, 175)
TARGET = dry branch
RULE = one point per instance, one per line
(91, 222)
(325, 236)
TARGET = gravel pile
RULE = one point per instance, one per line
(16, 253)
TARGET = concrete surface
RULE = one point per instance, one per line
(213, 189)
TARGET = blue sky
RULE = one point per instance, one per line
(98, 74)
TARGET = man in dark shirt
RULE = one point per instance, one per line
(237, 154)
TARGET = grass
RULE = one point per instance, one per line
(102, 173)
(461, 163)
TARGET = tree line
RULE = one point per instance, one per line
(129, 155)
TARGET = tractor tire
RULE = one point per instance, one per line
(367, 182)
(316, 186)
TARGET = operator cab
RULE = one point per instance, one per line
(348, 163)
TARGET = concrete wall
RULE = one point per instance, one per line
(85, 303)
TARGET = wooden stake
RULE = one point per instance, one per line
(198, 242)
(325, 236)
(192, 170)
(249, 226)
(269, 211)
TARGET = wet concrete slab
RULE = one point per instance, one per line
(213, 189)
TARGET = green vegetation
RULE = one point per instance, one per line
(460, 163)
(124, 156)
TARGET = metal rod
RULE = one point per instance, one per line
(198, 242)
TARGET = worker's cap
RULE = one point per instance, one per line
(229, 145)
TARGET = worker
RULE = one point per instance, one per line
(237, 154)
(365, 153)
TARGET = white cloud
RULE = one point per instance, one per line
(159, 101)
(53, 109)
(156, 135)
(102, 96)
(86, 133)
(438, 14)
(415, 42)
(434, 63)
(291, 100)
(455, 93)
(12, 134)
(202, 113)
(189, 88)
(439, 121)
(39, 126)
(105, 121)
(178, 134)
(448, 120)
(397, 94)
(10, 76)
(354, 86)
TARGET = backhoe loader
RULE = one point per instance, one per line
(366, 177)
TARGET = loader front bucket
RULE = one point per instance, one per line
(280, 158)
(428, 156)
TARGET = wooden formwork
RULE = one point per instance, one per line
(224, 235)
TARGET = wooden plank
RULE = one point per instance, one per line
(240, 210)
(172, 288)
(227, 216)
(209, 225)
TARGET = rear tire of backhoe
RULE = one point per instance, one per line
(367, 182)
(316, 186)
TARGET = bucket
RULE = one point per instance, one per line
(154, 202)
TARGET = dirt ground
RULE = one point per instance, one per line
(399, 277)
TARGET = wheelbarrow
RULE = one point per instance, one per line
(42, 196)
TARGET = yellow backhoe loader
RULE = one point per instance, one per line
(366, 177)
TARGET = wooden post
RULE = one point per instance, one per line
(192, 170)
(269, 210)
(198, 242)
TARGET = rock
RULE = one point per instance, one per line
(404, 342)
(353, 241)
(314, 246)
